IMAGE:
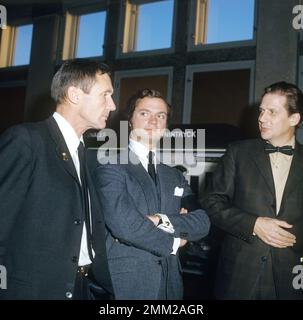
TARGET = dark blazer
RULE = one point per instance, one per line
(241, 190)
(139, 254)
(41, 217)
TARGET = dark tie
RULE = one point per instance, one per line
(288, 150)
(151, 166)
(85, 199)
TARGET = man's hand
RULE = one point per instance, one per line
(183, 211)
(272, 232)
(154, 219)
(183, 242)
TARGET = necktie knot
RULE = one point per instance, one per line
(288, 149)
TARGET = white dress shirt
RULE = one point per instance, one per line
(72, 141)
(142, 153)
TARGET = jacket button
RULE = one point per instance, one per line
(75, 259)
(77, 222)
(159, 261)
(264, 258)
(68, 295)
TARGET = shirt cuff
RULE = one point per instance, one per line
(165, 224)
(176, 245)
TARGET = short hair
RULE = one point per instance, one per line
(143, 93)
(80, 73)
(293, 94)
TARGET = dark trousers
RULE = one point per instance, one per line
(87, 288)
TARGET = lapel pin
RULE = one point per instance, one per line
(64, 156)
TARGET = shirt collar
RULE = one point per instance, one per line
(69, 134)
(140, 149)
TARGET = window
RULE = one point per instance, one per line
(16, 45)
(127, 83)
(221, 93)
(219, 21)
(148, 25)
(84, 35)
(23, 45)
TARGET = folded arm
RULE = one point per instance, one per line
(193, 225)
(122, 216)
(219, 201)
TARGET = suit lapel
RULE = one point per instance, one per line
(295, 174)
(61, 148)
(137, 171)
(262, 161)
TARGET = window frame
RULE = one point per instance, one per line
(222, 66)
(8, 43)
(70, 28)
(119, 75)
(125, 6)
(192, 27)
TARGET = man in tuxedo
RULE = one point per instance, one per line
(256, 197)
(52, 239)
(141, 201)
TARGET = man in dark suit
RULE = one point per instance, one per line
(256, 197)
(141, 200)
(52, 240)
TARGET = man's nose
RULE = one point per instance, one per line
(111, 104)
(152, 119)
(263, 116)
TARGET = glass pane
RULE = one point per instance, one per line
(91, 35)
(155, 21)
(130, 85)
(223, 107)
(231, 20)
(23, 45)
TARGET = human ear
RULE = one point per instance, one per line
(73, 94)
(294, 119)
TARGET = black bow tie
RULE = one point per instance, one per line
(288, 150)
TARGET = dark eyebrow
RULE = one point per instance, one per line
(150, 111)
(269, 109)
(108, 91)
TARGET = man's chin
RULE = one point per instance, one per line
(101, 125)
(265, 136)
